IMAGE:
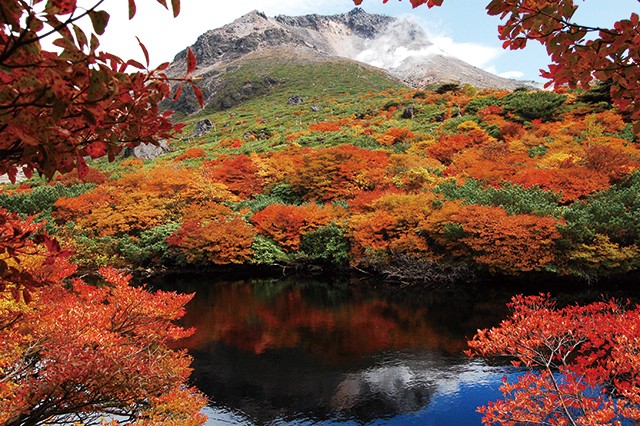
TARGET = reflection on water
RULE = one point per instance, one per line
(303, 352)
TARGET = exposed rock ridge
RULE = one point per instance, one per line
(398, 46)
(330, 35)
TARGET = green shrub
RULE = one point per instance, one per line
(478, 104)
(327, 243)
(266, 251)
(515, 199)
(281, 193)
(451, 125)
(40, 199)
(538, 105)
(539, 150)
(614, 212)
(151, 247)
(448, 87)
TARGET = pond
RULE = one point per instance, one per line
(302, 351)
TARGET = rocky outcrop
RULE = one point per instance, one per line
(148, 151)
(295, 100)
(203, 127)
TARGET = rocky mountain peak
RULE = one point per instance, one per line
(399, 46)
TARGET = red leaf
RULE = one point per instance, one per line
(198, 93)
(178, 127)
(15, 293)
(27, 296)
(175, 5)
(163, 66)
(132, 9)
(12, 173)
(63, 7)
(99, 20)
(82, 167)
(135, 64)
(178, 93)
(191, 61)
(144, 49)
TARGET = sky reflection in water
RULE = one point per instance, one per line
(277, 352)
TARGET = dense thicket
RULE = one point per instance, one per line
(525, 181)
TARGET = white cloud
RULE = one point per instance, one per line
(511, 74)
(472, 53)
(492, 69)
(508, 74)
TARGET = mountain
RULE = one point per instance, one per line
(256, 47)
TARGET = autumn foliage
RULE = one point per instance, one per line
(82, 352)
(480, 180)
(74, 353)
(579, 53)
(484, 191)
(286, 224)
(581, 363)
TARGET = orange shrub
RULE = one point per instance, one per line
(239, 174)
(508, 244)
(491, 163)
(286, 224)
(111, 211)
(511, 131)
(191, 153)
(224, 237)
(370, 232)
(392, 225)
(134, 162)
(340, 172)
(608, 161)
(93, 176)
(574, 181)
(395, 135)
(324, 127)
(139, 201)
(363, 202)
(231, 143)
(448, 146)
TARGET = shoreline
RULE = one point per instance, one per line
(536, 281)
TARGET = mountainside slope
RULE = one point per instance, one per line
(383, 41)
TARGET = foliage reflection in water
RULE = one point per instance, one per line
(307, 352)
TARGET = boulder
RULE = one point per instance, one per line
(203, 127)
(408, 112)
(148, 151)
(295, 100)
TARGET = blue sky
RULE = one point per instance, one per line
(460, 27)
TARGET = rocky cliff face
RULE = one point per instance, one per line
(398, 46)
(338, 35)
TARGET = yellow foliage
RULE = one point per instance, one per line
(384, 139)
(593, 128)
(468, 126)
(134, 162)
(273, 167)
(566, 144)
(419, 148)
(552, 160)
(530, 140)
(602, 256)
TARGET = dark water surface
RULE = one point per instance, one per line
(301, 351)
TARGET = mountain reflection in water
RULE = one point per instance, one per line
(303, 352)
